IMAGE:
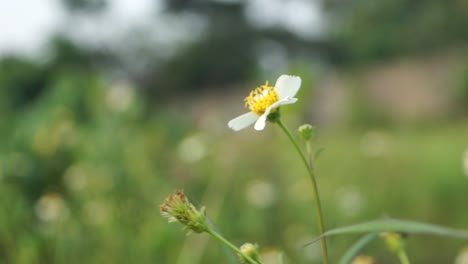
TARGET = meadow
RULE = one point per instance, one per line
(85, 164)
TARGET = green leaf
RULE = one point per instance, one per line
(396, 225)
(357, 246)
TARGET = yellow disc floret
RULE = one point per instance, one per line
(261, 98)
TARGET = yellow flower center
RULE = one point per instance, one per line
(261, 98)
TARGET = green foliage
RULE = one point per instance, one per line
(396, 225)
(21, 80)
(78, 177)
(81, 179)
(461, 93)
(387, 28)
(357, 247)
(85, 162)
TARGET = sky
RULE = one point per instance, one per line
(26, 25)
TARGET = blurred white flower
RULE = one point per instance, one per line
(266, 99)
(375, 143)
(75, 177)
(192, 149)
(261, 194)
(465, 162)
(363, 259)
(96, 212)
(312, 252)
(51, 207)
(120, 96)
(271, 256)
(462, 257)
(350, 201)
(48, 139)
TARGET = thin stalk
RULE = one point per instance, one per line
(309, 155)
(403, 257)
(315, 192)
(230, 245)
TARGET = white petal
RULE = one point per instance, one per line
(242, 121)
(287, 85)
(261, 121)
(285, 101)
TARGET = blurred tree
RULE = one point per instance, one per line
(461, 95)
(387, 28)
(21, 81)
(86, 6)
(224, 55)
(227, 50)
(66, 54)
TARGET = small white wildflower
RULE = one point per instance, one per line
(192, 149)
(351, 201)
(376, 143)
(462, 257)
(51, 207)
(75, 178)
(261, 194)
(266, 99)
(120, 96)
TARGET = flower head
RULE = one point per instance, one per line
(264, 100)
(306, 131)
(250, 250)
(362, 259)
(177, 208)
(394, 241)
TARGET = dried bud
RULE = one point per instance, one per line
(306, 131)
(178, 208)
(250, 250)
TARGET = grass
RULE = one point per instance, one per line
(101, 176)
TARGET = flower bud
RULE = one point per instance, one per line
(394, 241)
(306, 131)
(250, 250)
(177, 208)
(362, 259)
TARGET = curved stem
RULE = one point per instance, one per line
(230, 245)
(315, 192)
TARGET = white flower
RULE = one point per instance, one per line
(266, 99)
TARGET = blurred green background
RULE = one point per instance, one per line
(125, 101)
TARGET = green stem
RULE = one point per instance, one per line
(230, 245)
(315, 192)
(403, 257)
(309, 155)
